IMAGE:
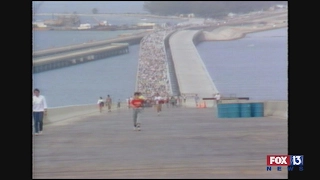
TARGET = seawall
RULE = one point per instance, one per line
(277, 109)
(229, 32)
(66, 112)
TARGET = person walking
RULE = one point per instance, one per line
(167, 101)
(136, 104)
(196, 99)
(39, 108)
(218, 97)
(158, 101)
(100, 104)
(179, 101)
(109, 102)
(172, 101)
(128, 102)
(118, 104)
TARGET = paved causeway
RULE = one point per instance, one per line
(179, 143)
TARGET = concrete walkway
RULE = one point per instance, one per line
(191, 72)
(179, 143)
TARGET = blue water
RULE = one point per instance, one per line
(50, 39)
(254, 66)
(85, 83)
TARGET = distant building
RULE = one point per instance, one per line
(231, 15)
(146, 25)
(271, 8)
(39, 24)
(280, 6)
(191, 15)
(64, 20)
(84, 26)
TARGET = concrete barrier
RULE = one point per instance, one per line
(276, 108)
(66, 112)
(63, 113)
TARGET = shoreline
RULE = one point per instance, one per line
(116, 14)
(230, 32)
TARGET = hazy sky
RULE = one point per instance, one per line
(87, 6)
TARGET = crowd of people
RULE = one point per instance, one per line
(153, 75)
(107, 102)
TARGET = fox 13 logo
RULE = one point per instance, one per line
(285, 162)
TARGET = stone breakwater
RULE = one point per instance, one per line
(231, 32)
(238, 31)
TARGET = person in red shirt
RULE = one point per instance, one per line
(136, 104)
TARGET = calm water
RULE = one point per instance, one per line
(50, 39)
(255, 66)
(85, 83)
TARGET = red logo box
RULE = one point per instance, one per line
(278, 160)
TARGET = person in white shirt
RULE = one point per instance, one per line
(158, 101)
(128, 102)
(39, 108)
(100, 104)
(218, 97)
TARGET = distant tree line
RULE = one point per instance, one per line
(212, 9)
